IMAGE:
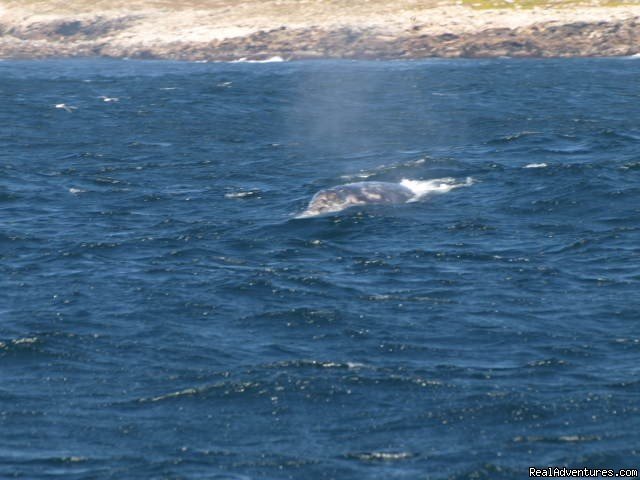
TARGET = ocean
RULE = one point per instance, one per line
(165, 315)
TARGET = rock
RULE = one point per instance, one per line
(98, 36)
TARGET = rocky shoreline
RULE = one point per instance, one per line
(121, 36)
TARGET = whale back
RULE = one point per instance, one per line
(340, 197)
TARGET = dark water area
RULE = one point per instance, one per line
(163, 315)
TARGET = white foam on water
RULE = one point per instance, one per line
(383, 456)
(76, 191)
(357, 175)
(242, 194)
(23, 341)
(74, 459)
(536, 165)
(420, 188)
(274, 59)
(64, 106)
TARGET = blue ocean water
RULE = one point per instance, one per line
(163, 315)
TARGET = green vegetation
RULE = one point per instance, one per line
(488, 4)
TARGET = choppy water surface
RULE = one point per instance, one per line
(163, 315)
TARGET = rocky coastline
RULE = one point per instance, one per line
(132, 35)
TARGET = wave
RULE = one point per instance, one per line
(380, 456)
(421, 188)
(362, 174)
(274, 59)
(243, 194)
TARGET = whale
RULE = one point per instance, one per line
(338, 198)
(341, 197)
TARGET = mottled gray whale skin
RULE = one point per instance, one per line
(338, 198)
